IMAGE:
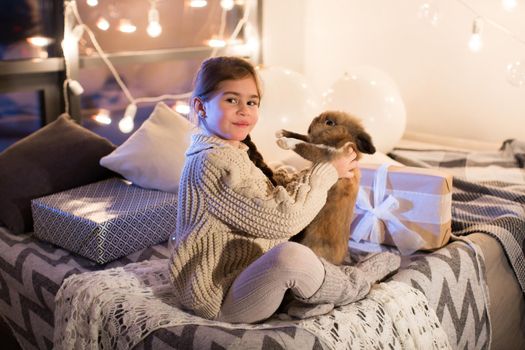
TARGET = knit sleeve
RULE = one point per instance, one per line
(239, 196)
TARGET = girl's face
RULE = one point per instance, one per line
(233, 110)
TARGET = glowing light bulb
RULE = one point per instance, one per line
(476, 43)
(92, 3)
(75, 87)
(102, 117)
(103, 24)
(70, 42)
(125, 26)
(216, 43)
(182, 107)
(39, 41)
(154, 28)
(516, 73)
(126, 125)
(227, 4)
(198, 3)
(429, 11)
(509, 5)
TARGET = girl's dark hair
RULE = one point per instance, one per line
(214, 71)
(258, 160)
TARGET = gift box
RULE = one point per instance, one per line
(402, 206)
(105, 220)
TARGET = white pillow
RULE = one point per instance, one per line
(153, 156)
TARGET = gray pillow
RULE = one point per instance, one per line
(57, 157)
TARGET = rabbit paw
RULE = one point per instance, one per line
(279, 133)
(286, 143)
(281, 142)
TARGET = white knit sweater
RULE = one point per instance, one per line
(229, 214)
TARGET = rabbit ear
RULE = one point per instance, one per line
(364, 143)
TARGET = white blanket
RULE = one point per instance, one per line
(117, 308)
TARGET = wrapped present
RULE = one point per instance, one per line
(105, 220)
(406, 207)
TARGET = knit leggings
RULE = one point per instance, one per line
(259, 289)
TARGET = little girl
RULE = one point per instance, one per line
(231, 259)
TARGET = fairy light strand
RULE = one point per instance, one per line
(492, 22)
(71, 6)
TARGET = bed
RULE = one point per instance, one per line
(475, 284)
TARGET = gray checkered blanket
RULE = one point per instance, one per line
(488, 195)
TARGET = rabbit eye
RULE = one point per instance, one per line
(329, 122)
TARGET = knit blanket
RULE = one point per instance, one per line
(488, 194)
(117, 308)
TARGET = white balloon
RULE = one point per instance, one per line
(288, 102)
(371, 95)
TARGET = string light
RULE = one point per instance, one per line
(126, 124)
(217, 43)
(154, 28)
(71, 39)
(39, 41)
(198, 3)
(103, 24)
(75, 87)
(125, 26)
(102, 117)
(476, 43)
(515, 70)
(227, 4)
(509, 5)
(72, 35)
(92, 3)
(182, 107)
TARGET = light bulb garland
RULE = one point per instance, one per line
(102, 117)
(198, 3)
(476, 42)
(103, 24)
(154, 28)
(516, 70)
(509, 5)
(72, 35)
(492, 23)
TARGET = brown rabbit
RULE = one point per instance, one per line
(330, 135)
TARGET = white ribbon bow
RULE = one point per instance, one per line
(369, 227)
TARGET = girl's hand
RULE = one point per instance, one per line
(345, 164)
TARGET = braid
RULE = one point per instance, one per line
(258, 160)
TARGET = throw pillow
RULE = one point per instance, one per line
(57, 157)
(154, 155)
